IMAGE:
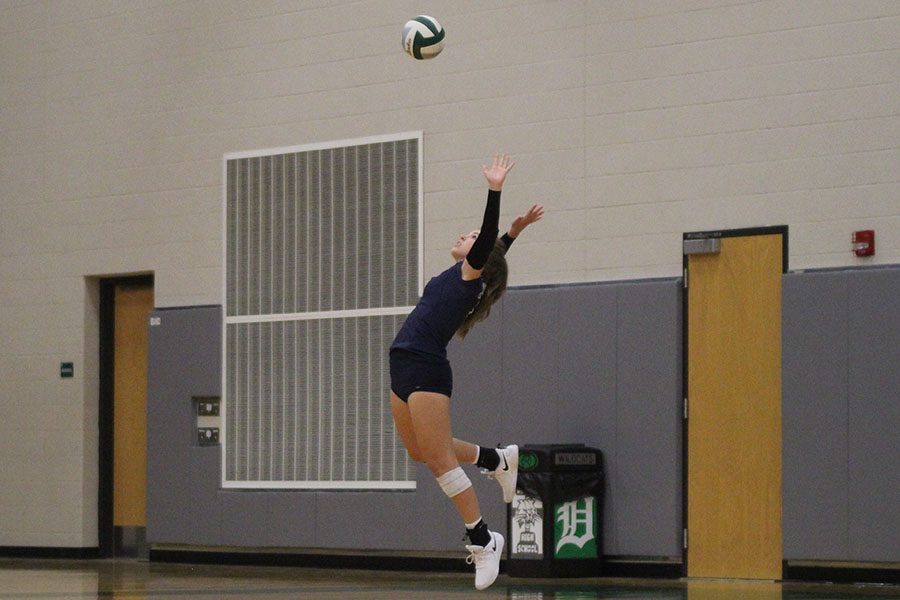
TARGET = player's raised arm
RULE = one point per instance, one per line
(496, 175)
(532, 215)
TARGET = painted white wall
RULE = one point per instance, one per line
(633, 121)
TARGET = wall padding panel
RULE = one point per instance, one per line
(184, 360)
(546, 367)
(814, 416)
(841, 415)
(648, 419)
(601, 365)
(597, 364)
(550, 365)
(873, 430)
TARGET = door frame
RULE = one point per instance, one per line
(105, 528)
(701, 235)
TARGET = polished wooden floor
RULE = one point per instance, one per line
(134, 579)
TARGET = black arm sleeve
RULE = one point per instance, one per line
(507, 240)
(483, 246)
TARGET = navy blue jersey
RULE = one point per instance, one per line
(445, 304)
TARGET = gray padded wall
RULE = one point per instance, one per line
(841, 415)
(595, 364)
(185, 504)
(873, 307)
(598, 364)
(814, 415)
(478, 409)
(649, 419)
(184, 358)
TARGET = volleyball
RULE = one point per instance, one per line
(423, 37)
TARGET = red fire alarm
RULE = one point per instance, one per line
(864, 242)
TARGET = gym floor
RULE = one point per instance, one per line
(138, 579)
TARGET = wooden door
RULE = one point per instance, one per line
(132, 308)
(734, 408)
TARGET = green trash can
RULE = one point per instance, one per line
(556, 516)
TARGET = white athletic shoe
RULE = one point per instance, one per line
(507, 472)
(487, 560)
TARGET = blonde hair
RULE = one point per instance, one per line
(494, 276)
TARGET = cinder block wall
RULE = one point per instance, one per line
(632, 121)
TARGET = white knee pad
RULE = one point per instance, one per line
(454, 481)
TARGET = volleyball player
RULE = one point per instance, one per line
(422, 380)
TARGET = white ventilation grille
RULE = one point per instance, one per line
(323, 263)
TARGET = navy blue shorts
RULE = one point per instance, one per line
(411, 372)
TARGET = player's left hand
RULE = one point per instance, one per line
(534, 214)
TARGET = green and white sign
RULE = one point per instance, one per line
(575, 529)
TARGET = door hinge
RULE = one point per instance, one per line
(685, 278)
(685, 538)
(685, 407)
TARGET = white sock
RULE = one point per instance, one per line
(472, 525)
(477, 454)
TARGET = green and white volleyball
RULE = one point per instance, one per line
(423, 37)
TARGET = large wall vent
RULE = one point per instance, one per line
(323, 261)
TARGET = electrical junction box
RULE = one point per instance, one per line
(207, 407)
(207, 411)
(208, 436)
